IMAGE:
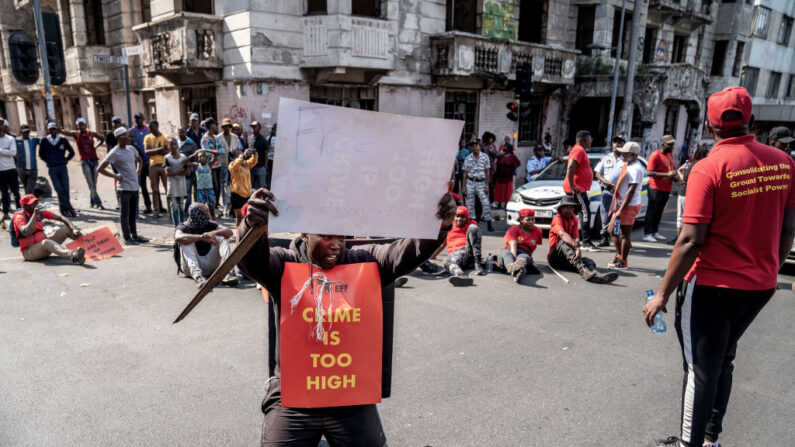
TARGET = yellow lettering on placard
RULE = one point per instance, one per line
(329, 360)
(335, 338)
(353, 314)
(330, 382)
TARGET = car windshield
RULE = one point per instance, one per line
(557, 170)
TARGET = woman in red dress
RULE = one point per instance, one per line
(503, 177)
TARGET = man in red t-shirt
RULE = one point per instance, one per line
(30, 233)
(730, 263)
(577, 184)
(564, 246)
(516, 258)
(662, 175)
(463, 248)
(84, 140)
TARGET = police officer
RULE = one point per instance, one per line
(730, 264)
(780, 138)
(477, 174)
(607, 171)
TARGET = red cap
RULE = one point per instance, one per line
(462, 210)
(730, 98)
(28, 199)
(526, 212)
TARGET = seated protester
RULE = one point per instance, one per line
(240, 177)
(463, 248)
(277, 269)
(203, 245)
(29, 231)
(428, 267)
(516, 258)
(564, 245)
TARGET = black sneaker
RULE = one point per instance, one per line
(140, 239)
(429, 268)
(519, 274)
(671, 441)
(400, 282)
(130, 242)
(230, 281)
(461, 281)
(148, 211)
(479, 269)
(532, 270)
(490, 226)
(603, 278)
(605, 242)
(79, 256)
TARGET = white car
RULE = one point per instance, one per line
(545, 191)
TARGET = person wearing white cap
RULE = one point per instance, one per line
(56, 152)
(626, 204)
(84, 140)
(128, 163)
(9, 183)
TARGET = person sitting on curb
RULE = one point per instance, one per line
(29, 232)
(516, 258)
(203, 245)
(463, 248)
(564, 245)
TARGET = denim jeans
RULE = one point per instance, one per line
(258, 177)
(177, 207)
(60, 182)
(90, 173)
(189, 185)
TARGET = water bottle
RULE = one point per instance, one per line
(617, 228)
(659, 326)
(489, 263)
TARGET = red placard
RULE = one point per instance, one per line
(334, 360)
(98, 244)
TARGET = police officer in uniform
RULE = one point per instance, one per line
(477, 173)
(730, 265)
(607, 171)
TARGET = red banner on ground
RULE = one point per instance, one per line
(331, 335)
(99, 244)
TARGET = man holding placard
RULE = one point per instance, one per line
(328, 359)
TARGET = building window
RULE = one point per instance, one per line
(262, 88)
(627, 29)
(200, 100)
(749, 78)
(637, 123)
(461, 15)
(150, 107)
(761, 21)
(31, 115)
(66, 23)
(316, 7)
(146, 11)
(95, 27)
(679, 49)
(784, 30)
(648, 45)
(671, 117)
(530, 128)
(460, 105)
(738, 59)
(773, 85)
(719, 57)
(104, 113)
(354, 97)
(242, 89)
(198, 6)
(790, 92)
(366, 8)
(532, 16)
(585, 27)
(74, 103)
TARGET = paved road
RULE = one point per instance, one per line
(538, 364)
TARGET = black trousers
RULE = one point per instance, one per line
(654, 211)
(129, 206)
(9, 184)
(216, 173)
(144, 189)
(585, 215)
(709, 322)
(352, 426)
(562, 257)
(28, 177)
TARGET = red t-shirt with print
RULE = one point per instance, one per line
(570, 226)
(741, 190)
(660, 162)
(583, 174)
(457, 236)
(525, 241)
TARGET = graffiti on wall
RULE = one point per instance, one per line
(498, 20)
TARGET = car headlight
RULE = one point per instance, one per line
(516, 198)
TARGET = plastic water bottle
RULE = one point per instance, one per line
(617, 228)
(489, 263)
(659, 326)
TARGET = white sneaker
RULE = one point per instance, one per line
(649, 238)
(659, 236)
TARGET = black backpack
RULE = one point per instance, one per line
(13, 232)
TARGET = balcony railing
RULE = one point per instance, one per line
(689, 10)
(183, 41)
(455, 53)
(341, 40)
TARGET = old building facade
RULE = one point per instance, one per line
(435, 58)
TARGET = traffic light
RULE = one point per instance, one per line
(513, 115)
(524, 110)
(24, 58)
(55, 57)
(523, 88)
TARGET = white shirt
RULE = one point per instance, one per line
(8, 150)
(609, 167)
(635, 173)
(534, 164)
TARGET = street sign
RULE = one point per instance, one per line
(136, 50)
(108, 59)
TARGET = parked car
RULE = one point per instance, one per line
(544, 192)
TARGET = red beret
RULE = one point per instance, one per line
(526, 212)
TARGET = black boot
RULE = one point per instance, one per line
(490, 226)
